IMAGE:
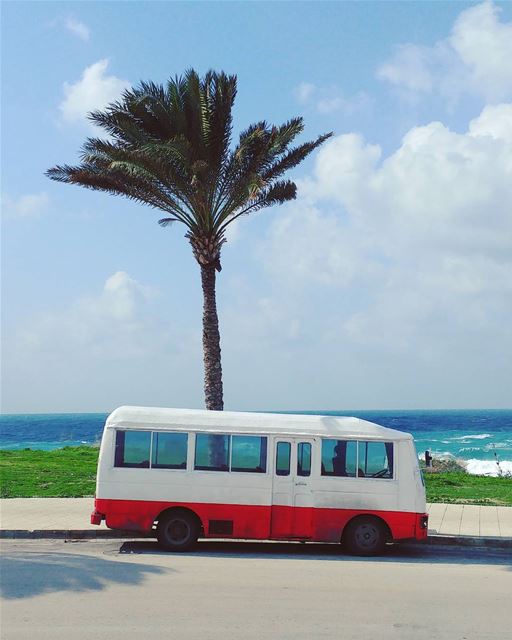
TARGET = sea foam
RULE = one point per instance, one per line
(489, 467)
(479, 436)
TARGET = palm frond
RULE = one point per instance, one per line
(166, 222)
(279, 193)
(169, 146)
(293, 158)
(92, 176)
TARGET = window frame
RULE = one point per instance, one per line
(392, 469)
(249, 435)
(300, 450)
(290, 443)
(357, 476)
(162, 431)
(336, 439)
(191, 450)
(131, 466)
(230, 442)
(207, 433)
(151, 432)
(271, 459)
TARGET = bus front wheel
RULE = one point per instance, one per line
(365, 536)
(177, 531)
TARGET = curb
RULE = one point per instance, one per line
(75, 534)
(90, 534)
(470, 541)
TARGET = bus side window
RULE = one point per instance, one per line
(375, 459)
(132, 449)
(249, 454)
(212, 452)
(304, 459)
(283, 451)
(339, 458)
(169, 450)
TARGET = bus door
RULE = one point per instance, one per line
(292, 499)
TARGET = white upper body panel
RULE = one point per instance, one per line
(257, 423)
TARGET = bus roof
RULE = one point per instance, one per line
(285, 424)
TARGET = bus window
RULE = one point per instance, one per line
(169, 450)
(283, 452)
(376, 459)
(212, 452)
(304, 459)
(132, 449)
(339, 458)
(249, 453)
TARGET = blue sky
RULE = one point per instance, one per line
(385, 284)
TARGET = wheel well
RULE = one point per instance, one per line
(183, 510)
(364, 516)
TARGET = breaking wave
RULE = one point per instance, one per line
(488, 467)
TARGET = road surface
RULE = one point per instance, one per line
(121, 590)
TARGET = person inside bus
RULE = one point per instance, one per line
(339, 462)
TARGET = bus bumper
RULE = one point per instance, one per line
(97, 517)
(422, 526)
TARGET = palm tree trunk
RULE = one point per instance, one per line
(211, 342)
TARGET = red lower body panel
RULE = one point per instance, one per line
(255, 522)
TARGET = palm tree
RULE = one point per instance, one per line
(170, 147)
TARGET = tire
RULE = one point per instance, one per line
(177, 531)
(365, 536)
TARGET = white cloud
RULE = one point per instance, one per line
(26, 206)
(78, 29)
(112, 323)
(494, 121)
(399, 267)
(94, 90)
(329, 99)
(100, 350)
(484, 45)
(305, 91)
(410, 67)
(307, 247)
(474, 59)
(439, 187)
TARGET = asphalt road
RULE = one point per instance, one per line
(121, 590)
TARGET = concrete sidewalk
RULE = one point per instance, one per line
(470, 520)
(69, 517)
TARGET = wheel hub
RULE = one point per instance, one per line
(178, 530)
(367, 536)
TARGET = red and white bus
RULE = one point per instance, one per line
(181, 474)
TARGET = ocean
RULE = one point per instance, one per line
(482, 439)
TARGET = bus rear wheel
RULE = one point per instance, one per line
(365, 536)
(177, 531)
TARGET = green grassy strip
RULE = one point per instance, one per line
(463, 488)
(63, 473)
(71, 473)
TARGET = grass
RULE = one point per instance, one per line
(71, 473)
(63, 473)
(462, 488)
